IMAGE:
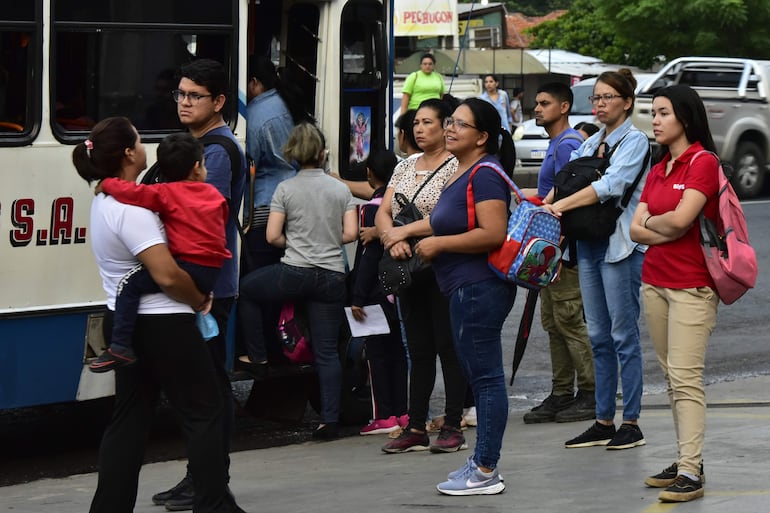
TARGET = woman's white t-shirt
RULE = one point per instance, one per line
(118, 233)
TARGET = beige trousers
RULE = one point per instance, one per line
(680, 322)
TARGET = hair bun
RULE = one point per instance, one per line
(628, 75)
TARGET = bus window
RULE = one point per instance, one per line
(14, 80)
(129, 68)
(361, 33)
(19, 31)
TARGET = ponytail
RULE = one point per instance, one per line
(101, 154)
(507, 153)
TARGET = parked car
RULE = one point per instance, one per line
(735, 93)
(531, 148)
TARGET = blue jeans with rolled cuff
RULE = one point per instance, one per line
(478, 312)
(611, 303)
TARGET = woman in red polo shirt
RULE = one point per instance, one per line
(680, 299)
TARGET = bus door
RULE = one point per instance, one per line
(364, 71)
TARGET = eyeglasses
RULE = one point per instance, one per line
(458, 123)
(178, 95)
(606, 97)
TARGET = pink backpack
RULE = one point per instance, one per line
(730, 259)
(294, 339)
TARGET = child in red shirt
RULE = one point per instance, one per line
(194, 214)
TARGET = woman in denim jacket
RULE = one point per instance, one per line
(610, 269)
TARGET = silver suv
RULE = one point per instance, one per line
(735, 94)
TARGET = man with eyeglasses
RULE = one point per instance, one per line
(201, 98)
(561, 305)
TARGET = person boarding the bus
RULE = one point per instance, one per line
(201, 96)
(312, 216)
(194, 215)
(271, 114)
(561, 305)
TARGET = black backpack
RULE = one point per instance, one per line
(598, 220)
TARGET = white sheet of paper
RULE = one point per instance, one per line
(375, 322)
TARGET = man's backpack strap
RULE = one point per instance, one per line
(566, 137)
(234, 153)
(231, 147)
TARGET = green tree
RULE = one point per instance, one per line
(636, 33)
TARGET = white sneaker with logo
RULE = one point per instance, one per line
(469, 480)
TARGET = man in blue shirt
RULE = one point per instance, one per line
(561, 305)
(268, 125)
(201, 97)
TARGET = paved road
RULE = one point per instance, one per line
(353, 475)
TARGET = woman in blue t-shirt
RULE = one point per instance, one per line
(479, 301)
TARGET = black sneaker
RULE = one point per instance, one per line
(628, 436)
(112, 358)
(597, 434)
(683, 489)
(668, 475)
(182, 488)
(181, 502)
(329, 431)
(583, 408)
(547, 410)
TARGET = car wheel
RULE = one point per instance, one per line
(748, 170)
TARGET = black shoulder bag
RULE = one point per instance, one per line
(396, 275)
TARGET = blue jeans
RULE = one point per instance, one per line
(611, 304)
(478, 312)
(323, 293)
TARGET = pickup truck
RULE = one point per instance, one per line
(735, 93)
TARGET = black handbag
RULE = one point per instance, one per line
(598, 220)
(409, 212)
(396, 275)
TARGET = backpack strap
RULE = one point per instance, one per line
(708, 231)
(630, 190)
(568, 136)
(471, 204)
(234, 154)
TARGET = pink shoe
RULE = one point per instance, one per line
(403, 420)
(380, 426)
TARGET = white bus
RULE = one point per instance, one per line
(65, 64)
